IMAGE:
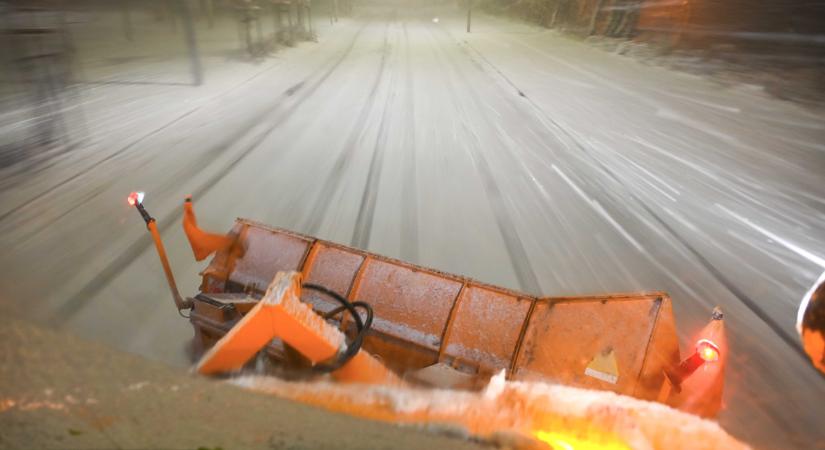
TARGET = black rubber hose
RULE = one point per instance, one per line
(338, 361)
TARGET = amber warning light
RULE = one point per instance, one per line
(707, 350)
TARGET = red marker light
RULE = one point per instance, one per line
(135, 198)
(707, 350)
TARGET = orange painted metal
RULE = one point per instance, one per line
(565, 335)
(180, 303)
(701, 392)
(811, 323)
(203, 243)
(411, 307)
(485, 328)
(662, 353)
(332, 268)
(424, 316)
(281, 314)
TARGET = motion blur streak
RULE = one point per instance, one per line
(528, 156)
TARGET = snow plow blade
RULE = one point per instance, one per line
(445, 330)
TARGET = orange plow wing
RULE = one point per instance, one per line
(203, 243)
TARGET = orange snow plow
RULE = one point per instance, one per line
(298, 305)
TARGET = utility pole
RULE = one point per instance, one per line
(555, 13)
(594, 17)
(469, 13)
(127, 20)
(309, 19)
(210, 13)
(191, 42)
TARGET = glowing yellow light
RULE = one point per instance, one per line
(709, 354)
(707, 350)
(561, 441)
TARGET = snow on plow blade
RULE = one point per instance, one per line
(281, 314)
(449, 331)
(515, 414)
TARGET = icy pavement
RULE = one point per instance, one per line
(512, 155)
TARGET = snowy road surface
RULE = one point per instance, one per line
(512, 155)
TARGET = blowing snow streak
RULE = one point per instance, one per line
(512, 155)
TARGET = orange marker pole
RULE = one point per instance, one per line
(136, 200)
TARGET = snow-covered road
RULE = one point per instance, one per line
(512, 155)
